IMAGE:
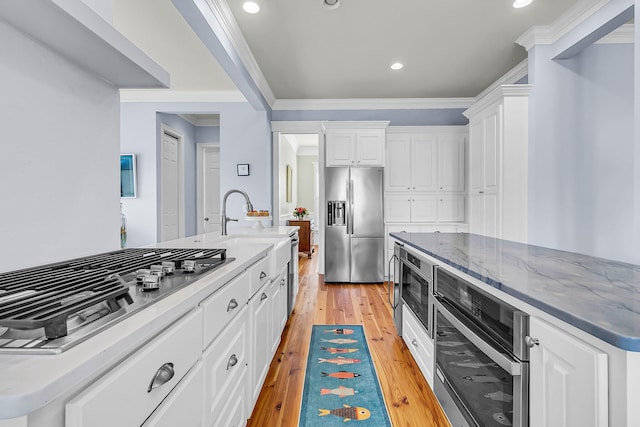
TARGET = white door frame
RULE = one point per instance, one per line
(165, 129)
(285, 127)
(199, 177)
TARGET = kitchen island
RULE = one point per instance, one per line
(39, 390)
(586, 305)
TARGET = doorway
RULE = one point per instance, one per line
(171, 185)
(208, 172)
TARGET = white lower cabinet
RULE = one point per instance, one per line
(183, 407)
(569, 380)
(225, 363)
(419, 343)
(128, 394)
(259, 313)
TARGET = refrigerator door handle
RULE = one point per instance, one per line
(347, 208)
(351, 216)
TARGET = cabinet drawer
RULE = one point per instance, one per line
(224, 305)
(419, 343)
(259, 274)
(184, 405)
(225, 362)
(121, 398)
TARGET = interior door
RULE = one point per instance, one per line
(211, 189)
(170, 190)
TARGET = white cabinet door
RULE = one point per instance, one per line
(451, 163)
(225, 362)
(424, 208)
(397, 208)
(261, 346)
(340, 147)
(424, 163)
(275, 319)
(370, 147)
(397, 170)
(568, 380)
(451, 208)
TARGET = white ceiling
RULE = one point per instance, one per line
(450, 48)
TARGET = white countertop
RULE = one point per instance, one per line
(30, 382)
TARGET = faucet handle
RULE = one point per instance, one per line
(232, 219)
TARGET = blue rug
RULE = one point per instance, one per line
(340, 383)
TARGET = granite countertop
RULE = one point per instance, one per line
(596, 295)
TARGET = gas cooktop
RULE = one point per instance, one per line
(49, 309)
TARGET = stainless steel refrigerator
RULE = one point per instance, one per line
(354, 229)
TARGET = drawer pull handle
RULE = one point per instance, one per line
(233, 361)
(263, 297)
(263, 274)
(232, 304)
(414, 342)
(162, 376)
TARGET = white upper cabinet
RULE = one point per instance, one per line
(425, 159)
(354, 143)
(498, 163)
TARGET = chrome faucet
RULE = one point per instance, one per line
(226, 219)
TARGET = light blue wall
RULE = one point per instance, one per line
(426, 117)
(581, 151)
(210, 134)
(245, 137)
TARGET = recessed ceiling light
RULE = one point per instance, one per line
(397, 66)
(251, 7)
(331, 4)
(521, 3)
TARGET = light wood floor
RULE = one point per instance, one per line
(409, 398)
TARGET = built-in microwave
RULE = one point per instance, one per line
(413, 286)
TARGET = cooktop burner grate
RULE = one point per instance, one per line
(45, 296)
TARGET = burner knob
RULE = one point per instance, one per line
(189, 266)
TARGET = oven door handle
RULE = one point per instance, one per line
(505, 362)
(392, 283)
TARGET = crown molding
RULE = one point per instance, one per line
(198, 120)
(378, 124)
(621, 35)
(462, 129)
(168, 95)
(372, 104)
(500, 92)
(297, 127)
(510, 77)
(231, 29)
(549, 34)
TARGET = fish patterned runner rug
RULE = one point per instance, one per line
(340, 382)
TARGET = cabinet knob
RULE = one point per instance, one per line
(409, 188)
(232, 304)
(233, 361)
(480, 192)
(414, 188)
(414, 342)
(162, 376)
(531, 342)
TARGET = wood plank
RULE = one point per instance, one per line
(409, 399)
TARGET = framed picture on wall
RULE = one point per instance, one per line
(243, 169)
(128, 176)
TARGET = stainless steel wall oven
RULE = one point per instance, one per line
(482, 373)
(413, 285)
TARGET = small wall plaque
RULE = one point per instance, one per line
(243, 169)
